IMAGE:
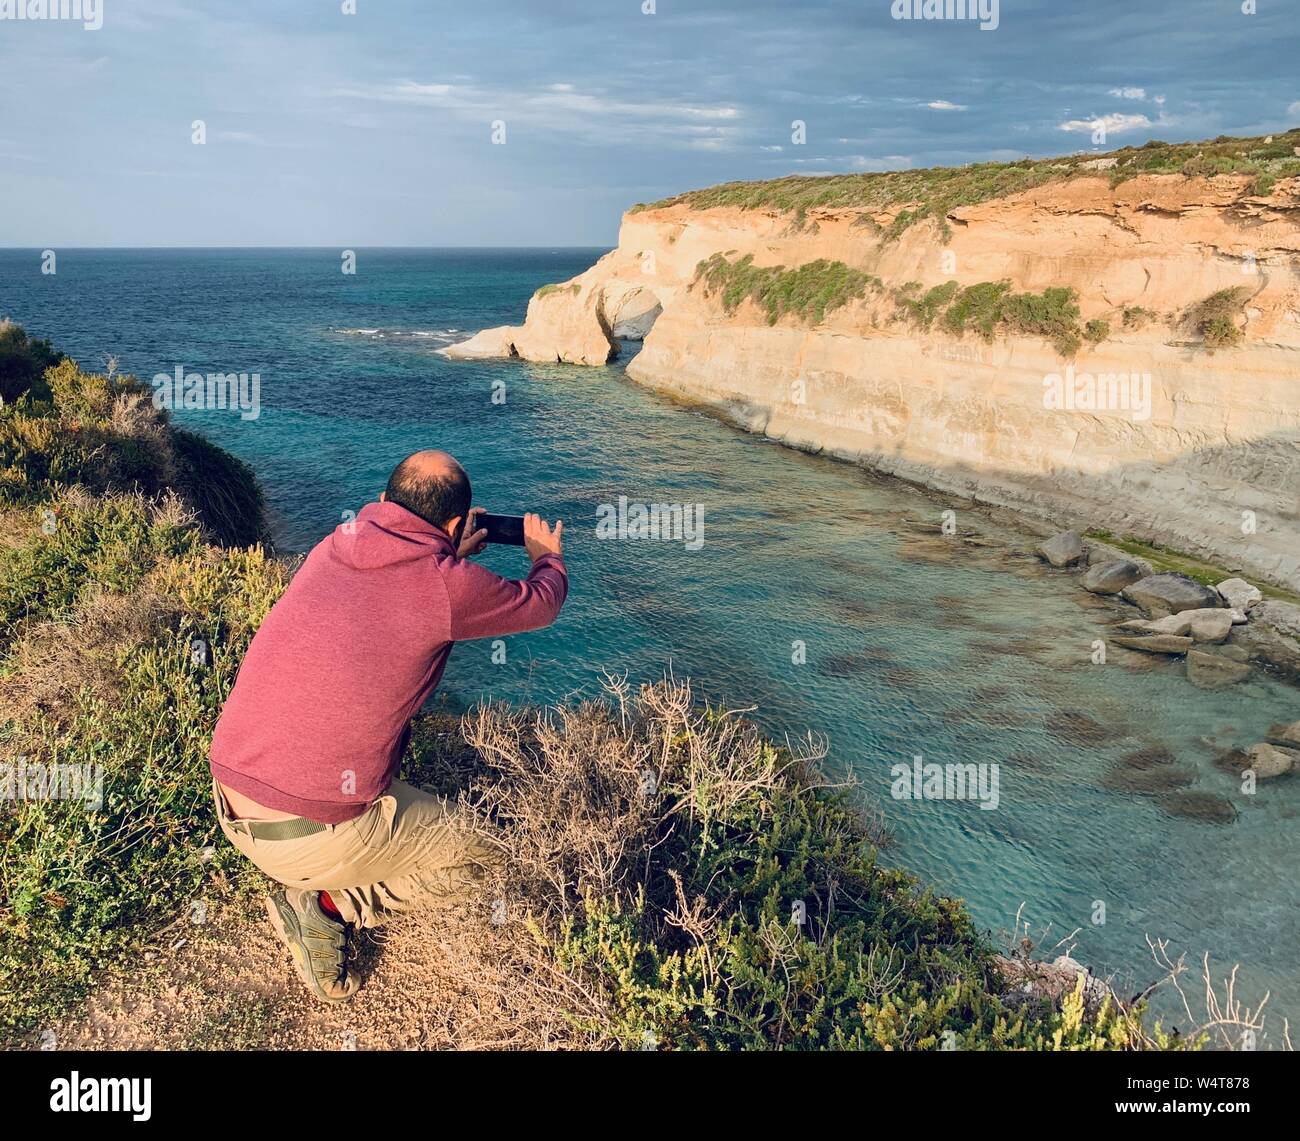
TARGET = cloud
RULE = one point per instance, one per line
(1114, 124)
(1128, 92)
(881, 163)
(557, 97)
(1293, 111)
(944, 105)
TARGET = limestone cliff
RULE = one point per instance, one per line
(1211, 466)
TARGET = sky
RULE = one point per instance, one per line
(538, 122)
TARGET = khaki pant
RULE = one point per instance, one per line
(408, 850)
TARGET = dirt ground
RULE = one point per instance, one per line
(444, 982)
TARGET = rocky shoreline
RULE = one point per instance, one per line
(1222, 633)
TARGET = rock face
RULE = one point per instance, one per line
(1063, 550)
(1239, 594)
(1170, 593)
(968, 417)
(485, 345)
(1112, 577)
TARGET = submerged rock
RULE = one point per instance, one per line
(1161, 778)
(1079, 728)
(1148, 757)
(1214, 671)
(1112, 578)
(1063, 550)
(1170, 593)
(1288, 736)
(1195, 805)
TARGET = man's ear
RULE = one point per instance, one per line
(453, 527)
(383, 497)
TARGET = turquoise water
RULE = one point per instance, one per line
(915, 644)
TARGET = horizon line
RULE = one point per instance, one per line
(342, 246)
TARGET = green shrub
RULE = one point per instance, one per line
(926, 308)
(977, 307)
(1215, 318)
(1096, 331)
(807, 293)
(547, 290)
(23, 362)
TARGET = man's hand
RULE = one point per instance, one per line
(540, 539)
(472, 540)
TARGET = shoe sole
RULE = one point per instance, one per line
(284, 921)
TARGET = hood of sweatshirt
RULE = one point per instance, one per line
(384, 535)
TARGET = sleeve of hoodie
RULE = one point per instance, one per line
(485, 605)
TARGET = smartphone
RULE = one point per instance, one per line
(506, 529)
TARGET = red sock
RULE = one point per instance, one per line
(327, 905)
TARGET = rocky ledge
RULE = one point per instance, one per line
(1222, 632)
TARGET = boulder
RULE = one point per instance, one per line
(1284, 617)
(1238, 593)
(1208, 625)
(1063, 550)
(1154, 643)
(1272, 637)
(1099, 552)
(1112, 577)
(1213, 671)
(1170, 593)
(1268, 761)
(1288, 736)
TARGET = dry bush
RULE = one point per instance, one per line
(56, 659)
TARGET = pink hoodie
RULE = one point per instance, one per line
(319, 715)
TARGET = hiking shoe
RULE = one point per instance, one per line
(317, 942)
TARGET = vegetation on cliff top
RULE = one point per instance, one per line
(935, 191)
(675, 880)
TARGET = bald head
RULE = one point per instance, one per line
(432, 485)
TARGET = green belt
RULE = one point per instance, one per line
(294, 829)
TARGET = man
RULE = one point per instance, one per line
(310, 740)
